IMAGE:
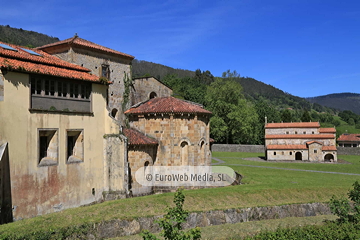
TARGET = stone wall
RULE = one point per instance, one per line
(238, 148)
(183, 138)
(348, 151)
(292, 131)
(143, 87)
(117, 228)
(138, 156)
(119, 69)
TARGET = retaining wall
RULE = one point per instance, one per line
(348, 150)
(238, 148)
(117, 228)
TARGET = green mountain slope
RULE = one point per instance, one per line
(23, 37)
(253, 89)
(341, 101)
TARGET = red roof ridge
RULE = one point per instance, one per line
(135, 137)
(76, 40)
(44, 59)
(327, 130)
(293, 124)
(166, 105)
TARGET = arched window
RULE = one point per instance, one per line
(202, 152)
(114, 112)
(153, 95)
(146, 164)
(184, 153)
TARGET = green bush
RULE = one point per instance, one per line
(347, 211)
(171, 223)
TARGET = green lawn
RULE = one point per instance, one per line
(262, 187)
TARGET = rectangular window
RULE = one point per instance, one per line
(48, 147)
(105, 71)
(60, 90)
(76, 90)
(75, 146)
(315, 151)
(47, 87)
(52, 87)
(71, 90)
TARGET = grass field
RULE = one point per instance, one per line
(262, 187)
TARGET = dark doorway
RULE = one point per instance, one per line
(298, 156)
(328, 157)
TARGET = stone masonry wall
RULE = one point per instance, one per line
(238, 148)
(119, 67)
(137, 157)
(142, 87)
(117, 228)
(175, 132)
(292, 131)
(348, 151)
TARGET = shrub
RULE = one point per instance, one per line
(172, 221)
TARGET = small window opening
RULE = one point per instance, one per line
(153, 95)
(114, 112)
(274, 153)
(48, 147)
(75, 146)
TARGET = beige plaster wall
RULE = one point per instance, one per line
(39, 190)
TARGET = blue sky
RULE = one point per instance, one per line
(305, 48)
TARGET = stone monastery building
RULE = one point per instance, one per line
(75, 127)
(304, 141)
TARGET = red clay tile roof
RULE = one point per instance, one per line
(299, 136)
(137, 138)
(311, 142)
(285, 147)
(327, 130)
(87, 44)
(167, 105)
(346, 137)
(329, 148)
(293, 125)
(47, 64)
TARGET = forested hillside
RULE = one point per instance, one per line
(239, 104)
(23, 37)
(342, 101)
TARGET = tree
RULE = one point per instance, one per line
(306, 116)
(233, 117)
(171, 222)
(286, 116)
